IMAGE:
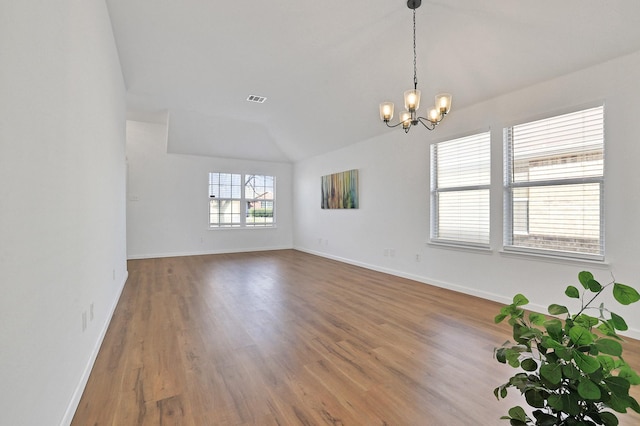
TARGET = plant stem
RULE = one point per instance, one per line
(592, 299)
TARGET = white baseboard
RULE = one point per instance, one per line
(77, 394)
(205, 252)
(419, 278)
(632, 333)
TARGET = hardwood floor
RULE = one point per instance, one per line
(287, 338)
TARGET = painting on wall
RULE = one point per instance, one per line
(340, 190)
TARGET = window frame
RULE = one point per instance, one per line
(509, 186)
(244, 201)
(247, 200)
(481, 137)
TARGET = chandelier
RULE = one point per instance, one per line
(409, 117)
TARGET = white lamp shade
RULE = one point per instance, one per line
(412, 99)
(386, 111)
(443, 102)
(434, 115)
(405, 119)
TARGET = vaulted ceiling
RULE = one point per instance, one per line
(324, 66)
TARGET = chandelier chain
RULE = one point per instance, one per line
(415, 70)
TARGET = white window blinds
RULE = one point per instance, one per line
(225, 192)
(460, 190)
(554, 178)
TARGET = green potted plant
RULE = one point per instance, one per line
(571, 370)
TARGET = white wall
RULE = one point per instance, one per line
(395, 205)
(62, 204)
(167, 208)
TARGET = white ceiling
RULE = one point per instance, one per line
(324, 66)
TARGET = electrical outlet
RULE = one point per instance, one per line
(91, 312)
(417, 257)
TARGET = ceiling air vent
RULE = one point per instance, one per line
(256, 99)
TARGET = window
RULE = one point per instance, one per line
(259, 198)
(554, 177)
(460, 181)
(239, 200)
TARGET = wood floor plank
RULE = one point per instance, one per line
(287, 338)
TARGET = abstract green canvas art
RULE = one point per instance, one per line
(340, 190)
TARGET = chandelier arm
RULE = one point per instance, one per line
(394, 125)
(422, 121)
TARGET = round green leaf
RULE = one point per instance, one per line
(518, 413)
(520, 300)
(520, 381)
(572, 292)
(625, 294)
(594, 286)
(572, 403)
(584, 277)
(513, 357)
(570, 371)
(555, 309)
(618, 322)
(501, 391)
(536, 318)
(553, 325)
(618, 385)
(618, 403)
(606, 362)
(629, 374)
(586, 363)
(544, 419)
(608, 419)
(499, 318)
(555, 401)
(552, 373)
(607, 328)
(518, 331)
(587, 321)
(564, 353)
(529, 364)
(535, 398)
(580, 336)
(589, 390)
(609, 346)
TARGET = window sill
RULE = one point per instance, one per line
(456, 246)
(554, 258)
(237, 228)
